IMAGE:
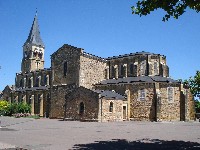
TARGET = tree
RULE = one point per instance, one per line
(194, 84)
(173, 8)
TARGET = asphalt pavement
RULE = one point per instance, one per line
(54, 134)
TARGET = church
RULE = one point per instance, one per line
(85, 87)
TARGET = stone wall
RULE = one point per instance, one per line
(65, 64)
(90, 105)
(169, 110)
(190, 106)
(33, 58)
(137, 65)
(33, 79)
(142, 109)
(117, 111)
(57, 102)
(92, 70)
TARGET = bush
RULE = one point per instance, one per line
(23, 108)
(4, 107)
(8, 109)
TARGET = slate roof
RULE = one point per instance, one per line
(34, 35)
(132, 54)
(110, 94)
(147, 79)
(33, 88)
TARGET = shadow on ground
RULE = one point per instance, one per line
(144, 144)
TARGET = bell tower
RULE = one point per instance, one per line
(33, 49)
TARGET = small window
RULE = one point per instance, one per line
(135, 70)
(106, 72)
(131, 68)
(37, 81)
(170, 92)
(142, 95)
(111, 107)
(121, 70)
(81, 108)
(112, 71)
(65, 69)
(29, 82)
(21, 83)
(45, 80)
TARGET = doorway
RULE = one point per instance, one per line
(124, 113)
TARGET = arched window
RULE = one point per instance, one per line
(170, 93)
(111, 107)
(45, 80)
(142, 94)
(121, 70)
(21, 83)
(112, 72)
(65, 69)
(81, 108)
(29, 82)
(38, 81)
(131, 68)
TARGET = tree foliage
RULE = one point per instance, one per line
(194, 84)
(8, 109)
(173, 8)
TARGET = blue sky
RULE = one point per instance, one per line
(102, 27)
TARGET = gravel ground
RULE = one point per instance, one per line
(18, 133)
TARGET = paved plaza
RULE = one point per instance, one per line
(25, 133)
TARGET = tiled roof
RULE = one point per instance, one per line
(147, 79)
(34, 35)
(33, 88)
(110, 94)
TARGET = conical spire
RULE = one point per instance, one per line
(34, 35)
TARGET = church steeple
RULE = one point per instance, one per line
(33, 49)
(34, 35)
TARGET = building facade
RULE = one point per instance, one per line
(81, 86)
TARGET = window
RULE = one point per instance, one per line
(37, 81)
(142, 95)
(45, 80)
(170, 92)
(21, 83)
(65, 69)
(121, 70)
(30, 82)
(112, 72)
(111, 107)
(131, 68)
(106, 73)
(81, 108)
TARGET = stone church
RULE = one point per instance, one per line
(81, 86)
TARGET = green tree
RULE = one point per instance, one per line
(4, 107)
(194, 84)
(173, 8)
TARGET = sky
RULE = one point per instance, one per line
(101, 27)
